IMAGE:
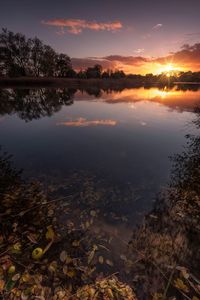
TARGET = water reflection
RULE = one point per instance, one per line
(82, 122)
(36, 103)
(31, 104)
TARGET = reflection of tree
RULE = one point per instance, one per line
(167, 245)
(32, 104)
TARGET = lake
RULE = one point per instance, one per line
(122, 138)
(112, 148)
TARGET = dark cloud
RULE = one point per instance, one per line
(188, 56)
(83, 63)
(127, 60)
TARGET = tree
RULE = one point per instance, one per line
(20, 56)
(105, 74)
(43, 59)
(14, 53)
(63, 65)
(94, 72)
(118, 74)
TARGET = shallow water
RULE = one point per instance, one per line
(123, 138)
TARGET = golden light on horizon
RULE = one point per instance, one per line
(169, 69)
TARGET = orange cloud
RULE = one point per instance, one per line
(81, 122)
(188, 58)
(76, 26)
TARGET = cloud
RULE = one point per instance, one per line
(139, 50)
(76, 26)
(82, 122)
(187, 58)
(157, 26)
(146, 36)
(127, 60)
(192, 34)
(84, 63)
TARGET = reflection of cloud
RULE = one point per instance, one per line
(82, 122)
(76, 26)
(157, 26)
(143, 123)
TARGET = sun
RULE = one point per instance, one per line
(168, 69)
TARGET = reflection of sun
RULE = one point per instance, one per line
(165, 93)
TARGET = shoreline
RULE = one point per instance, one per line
(33, 82)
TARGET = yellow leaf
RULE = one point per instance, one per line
(37, 253)
(93, 213)
(68, 259)
(110, 293)
(179, 284)
(71, 273)
(76, 243)
(2, 284)
(87, 224)
(101, 259)
(25, 277)
(50, 233)
(11, 270)
(16, 248)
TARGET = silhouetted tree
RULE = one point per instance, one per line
(94, 72)
(20, 56)
(15, 53)
(63, 65)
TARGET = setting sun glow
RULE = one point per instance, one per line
(169, 69)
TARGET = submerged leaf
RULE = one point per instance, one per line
(101, 259)
(37, 253)
(50, 233)
(63, 256)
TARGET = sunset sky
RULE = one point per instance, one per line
(138, 36)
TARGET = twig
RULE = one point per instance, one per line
(23, 212)
(169, 282)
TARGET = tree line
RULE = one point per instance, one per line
(30, 57)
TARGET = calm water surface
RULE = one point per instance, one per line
(122, 139)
